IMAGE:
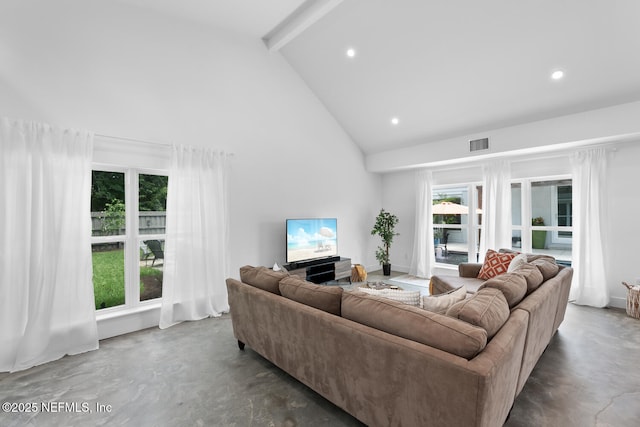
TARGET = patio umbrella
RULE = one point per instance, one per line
(450, 208)
(326, 232)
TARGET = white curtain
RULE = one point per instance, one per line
(589, 286)
(496, 206)
(47, 307)
(424, 257)
(196, 248)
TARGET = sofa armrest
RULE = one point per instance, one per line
(469, 269)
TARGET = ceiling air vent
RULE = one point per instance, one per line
(479, 144)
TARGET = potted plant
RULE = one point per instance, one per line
(384, 227)
(538, 237)
(437, 235)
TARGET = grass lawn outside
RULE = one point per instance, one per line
(108, 279)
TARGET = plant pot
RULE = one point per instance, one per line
(386, 269)
(538, 239)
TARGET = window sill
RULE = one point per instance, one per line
(126, 311)
(446, 266)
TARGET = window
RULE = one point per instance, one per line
(542, 214)
(455, 231)
(545, 204)
(152, 215)
(565, 211)
(128, 212)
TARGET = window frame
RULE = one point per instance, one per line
(132, 237)
(526, 208)
(472, 226)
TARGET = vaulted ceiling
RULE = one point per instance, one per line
(443, 68)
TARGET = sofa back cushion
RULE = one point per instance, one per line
(441, 303)
(548, 268)
(445, 333)
(487, 309)
(513, 286)
(262, 277)
(325, 298)
(531, 274)
(530, 257)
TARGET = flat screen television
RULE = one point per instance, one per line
(311, 238)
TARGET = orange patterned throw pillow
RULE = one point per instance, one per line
(495, 264)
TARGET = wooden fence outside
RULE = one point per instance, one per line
(151, 222)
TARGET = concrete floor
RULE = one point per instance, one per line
(194, 375)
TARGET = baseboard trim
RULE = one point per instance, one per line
(618, 302)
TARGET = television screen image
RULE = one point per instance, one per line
(311, 238)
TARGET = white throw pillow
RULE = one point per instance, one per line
(407, 297)
(516, 262)
(441, 303)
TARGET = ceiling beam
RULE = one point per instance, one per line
(300, 19)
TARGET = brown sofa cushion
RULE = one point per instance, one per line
(533, 257)
(548, 268)
(325, 298)
(444, 284)
(487, 308)
(262, 277)
(513, 286)
(441, 303)
(530, 257)
(442, 332)
(531, 274)
(469, 269)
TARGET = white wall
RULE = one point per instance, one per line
(623, 203)
(399, 191)
(612, 123)
(119, 71)
(622, 199)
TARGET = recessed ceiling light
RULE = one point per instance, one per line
(557, 75)
(395, 121)
(351, 52)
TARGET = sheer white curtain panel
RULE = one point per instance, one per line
(47, 306)
(196, 248)
(589, 285)
(424, 258)
(496, 206)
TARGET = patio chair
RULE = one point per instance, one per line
(156, 247)
(444, 241)
(145, 253)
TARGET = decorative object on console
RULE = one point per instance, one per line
(384, 227)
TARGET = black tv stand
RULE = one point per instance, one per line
(321, 270)
(309, 263)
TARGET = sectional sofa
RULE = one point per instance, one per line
(392, 364)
